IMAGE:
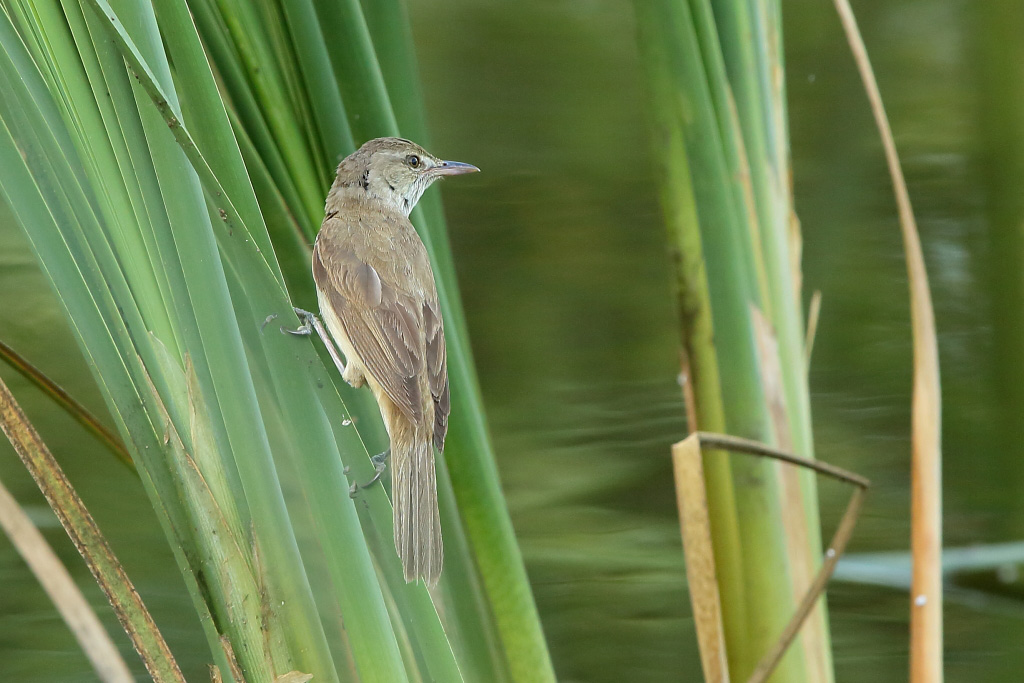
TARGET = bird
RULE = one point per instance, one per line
(378, 299)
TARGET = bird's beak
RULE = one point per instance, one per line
(453, 168)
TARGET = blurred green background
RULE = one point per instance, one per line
(564, 273)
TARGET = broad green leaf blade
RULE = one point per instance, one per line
(111, 270)
(340, 543)
(202, 102)
(242, 99)
(56, 237)
(267, 82)
(355, 65)
(321, 86)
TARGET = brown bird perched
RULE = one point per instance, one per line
(377, 297)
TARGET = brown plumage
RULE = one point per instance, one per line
(377, 297)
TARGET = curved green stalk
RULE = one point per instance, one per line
(694, 304)
(739, 229)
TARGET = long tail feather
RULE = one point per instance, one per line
(417, 523)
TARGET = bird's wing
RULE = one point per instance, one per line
(437, 368)
(382, 323)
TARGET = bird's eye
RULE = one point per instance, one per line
(413, 161)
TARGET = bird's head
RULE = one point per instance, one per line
(394, 171)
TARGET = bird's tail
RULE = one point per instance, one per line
(417, 523)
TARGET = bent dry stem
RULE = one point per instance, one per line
(926, 626)
(700, 565)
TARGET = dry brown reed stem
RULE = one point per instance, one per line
(76, 410)
(701, 581)
(700, 567)
(926, 422)
(91, 544)
(55, 579)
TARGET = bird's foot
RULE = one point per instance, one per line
(379, 465)
(308, 322)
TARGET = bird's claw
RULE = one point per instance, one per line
(306, 328)
(380, 460)
(379, 465)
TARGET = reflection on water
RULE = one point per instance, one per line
(561, 260)
(564, 275)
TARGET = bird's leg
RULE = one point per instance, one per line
(379, 465)
(310, 323)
